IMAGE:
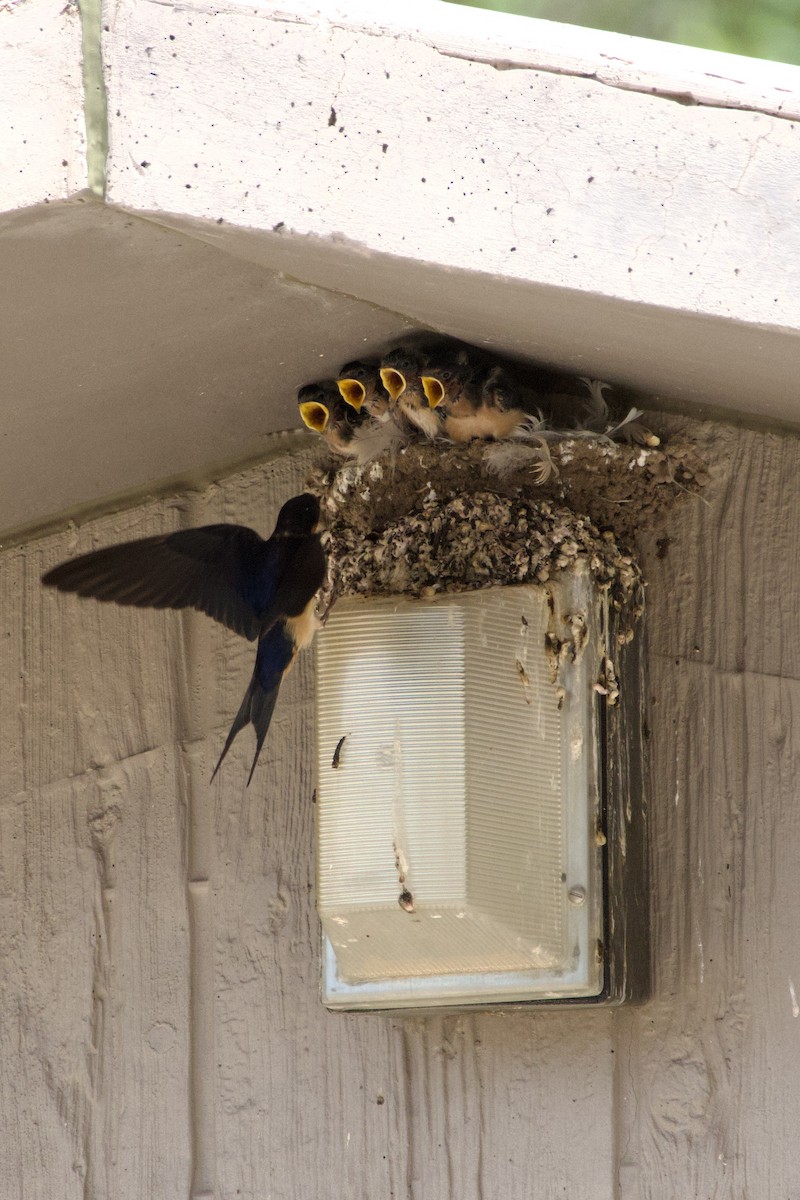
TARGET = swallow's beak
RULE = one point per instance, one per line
(433, 389)
(352, 392)
(315, 415)
(393, 381)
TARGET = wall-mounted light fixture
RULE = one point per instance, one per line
(461, 809)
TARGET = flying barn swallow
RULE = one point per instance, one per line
(262, 590)
(400, 374)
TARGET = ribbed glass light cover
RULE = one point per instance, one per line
(447, 844)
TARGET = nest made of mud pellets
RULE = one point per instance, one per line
(432, 519)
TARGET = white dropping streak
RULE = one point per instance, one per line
(400, 836)
(793, 997)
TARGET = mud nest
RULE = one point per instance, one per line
(432, 519)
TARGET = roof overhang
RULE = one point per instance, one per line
(288, 186)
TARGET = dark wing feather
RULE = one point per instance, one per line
(211, 569)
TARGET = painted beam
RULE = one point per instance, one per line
(42, 134)
(434, 139)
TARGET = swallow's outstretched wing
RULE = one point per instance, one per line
(225, 571)
(215, 569)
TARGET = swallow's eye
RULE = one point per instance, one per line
(356, 370)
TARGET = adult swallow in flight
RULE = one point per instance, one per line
(360, 385)
(400, 374)
(262, 590)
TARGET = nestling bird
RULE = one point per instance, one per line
(446, 390)
(323, 410)
(400, 374)
(349, 432)
(262, 590)
(360, 385)
(475, 401)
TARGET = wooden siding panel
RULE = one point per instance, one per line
(93, 986)
(160, 944)
(710, 1068)
(93, 922)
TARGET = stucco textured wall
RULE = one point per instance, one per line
(417, 141)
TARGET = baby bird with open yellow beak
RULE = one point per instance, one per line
(400, 374)
(359, 384)
(323, 410)
(349, 432)
(475, 401)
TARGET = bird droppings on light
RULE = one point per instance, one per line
(608, 684)
(405, 899)
(523, 676)
(336, 761)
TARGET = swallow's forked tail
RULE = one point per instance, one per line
(275, 653)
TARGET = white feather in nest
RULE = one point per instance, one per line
(596, 422)
(630, 429)
(535, 425)
(597, 413)
(504, 458)
(375, 438)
